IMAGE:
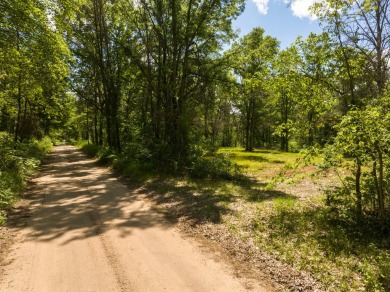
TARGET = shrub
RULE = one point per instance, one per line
(90, 149)
(217, 166)
(18, 161)
(364, 139)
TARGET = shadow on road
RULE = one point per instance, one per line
(76, 199)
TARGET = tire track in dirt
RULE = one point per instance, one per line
(112, 258)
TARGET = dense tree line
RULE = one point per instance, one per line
(151, 80)
(144, 69)
(33, 71)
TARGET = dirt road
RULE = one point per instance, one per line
(88, 232)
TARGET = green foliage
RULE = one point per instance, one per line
(103, 153)
(37, 148)
(122, 96)
(134, 161)
(252, 63)
(89, 148)
(33, 71)
(18, 162)
(336, 252)
(364, 138)
(216, 167)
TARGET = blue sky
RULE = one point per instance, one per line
(278, 19)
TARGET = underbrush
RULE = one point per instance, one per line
(294, 222)
(131, 162)
(343, 255)
(215, 167)
(18, 162)
(136, 163)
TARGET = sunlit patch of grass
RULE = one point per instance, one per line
(291, 222)
(262, 164)
(343, 257)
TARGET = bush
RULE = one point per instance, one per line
(134, 161)
(137, 161)
(18, 161)
(103, 153)
(217, 166)
(90, 149)
(364, 139)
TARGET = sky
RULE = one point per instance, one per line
(280, 20)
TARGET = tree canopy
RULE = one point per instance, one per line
(165, 82)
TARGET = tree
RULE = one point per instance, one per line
(254, 55)
(94, 36)
(176, 47)
(33, 70)
(364, 135)
(363, 25)
(315, 102)
(286, 83)
(361, 31)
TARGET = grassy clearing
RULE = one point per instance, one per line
(18, 162)
(296, 226)
(281, 209)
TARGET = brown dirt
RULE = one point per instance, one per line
(80, 229)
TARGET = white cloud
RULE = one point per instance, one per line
(300, 8)
(262, 6)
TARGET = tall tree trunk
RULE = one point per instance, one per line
(19, 110)
(381, 197)
(19, 94)
(357, 189)
(247, 128)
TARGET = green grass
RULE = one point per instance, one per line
(255, 162)
(297, 228)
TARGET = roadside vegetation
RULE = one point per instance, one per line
(296, 223)
(279, 203)
(18, 163)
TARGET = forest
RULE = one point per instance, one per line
(166, 88)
